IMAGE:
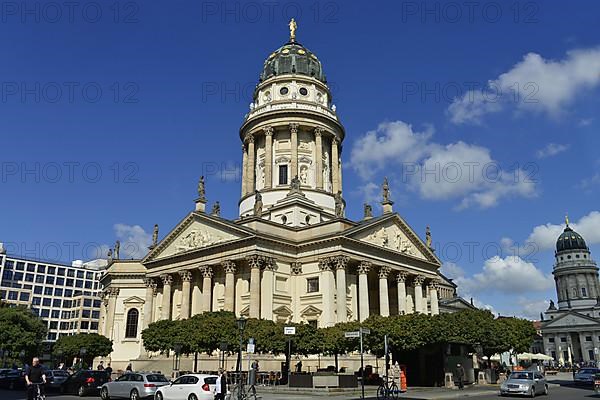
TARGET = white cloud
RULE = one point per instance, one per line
(585, 121)
(590, 182)
(438, 172)
(134, 240)
(551, 149)
(510, 275)
(534, 84)
(531, 308)
(544, 236)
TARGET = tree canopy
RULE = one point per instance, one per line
(95, 345)
(21, 330)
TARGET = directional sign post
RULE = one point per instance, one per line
(359, 334)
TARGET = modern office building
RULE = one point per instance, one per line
(66, 296)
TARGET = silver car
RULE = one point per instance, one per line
(527, 383)
(133, 385)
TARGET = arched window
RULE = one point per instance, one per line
(132, 323)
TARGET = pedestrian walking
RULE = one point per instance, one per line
(460, 374)
(108, 369)
(221, 385)
(101, 366)
(129, 368)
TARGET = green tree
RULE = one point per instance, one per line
(159, 336)
(21, 330)
(95, 345)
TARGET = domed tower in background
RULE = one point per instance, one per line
(575, 273)
(292, 140)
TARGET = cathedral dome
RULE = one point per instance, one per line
(570, 240)
(292, 58)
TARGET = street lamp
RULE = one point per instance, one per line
(177, 348)
(82, 353)
(241, 323)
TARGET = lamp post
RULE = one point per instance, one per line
(177, 348)
(241, 323)
(82, 353)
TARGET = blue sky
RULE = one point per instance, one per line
(110, 112)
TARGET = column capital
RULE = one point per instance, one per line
(149, 282)
(254, 261)
(418, 280)
(433, 284)
(296, 268)
(207, 271)
(167, 279)
(325, 264)
(294, 127)
(270, 263)
(268, 130)
(112, 292)
(228, 266)
(383, 272)
(318, 131)
(402, 275)
(341, 262)
(249, 138)
(364, 267)
(335, 140)
(186, 276)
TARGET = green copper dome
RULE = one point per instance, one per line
(570, 240)
(292, 58)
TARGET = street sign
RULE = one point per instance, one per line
(365, 331)
(289, 330)
(250, 348)
(354, 334)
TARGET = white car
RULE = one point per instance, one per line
(189, 387)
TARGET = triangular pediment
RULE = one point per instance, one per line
(134, 300)
(196, 231)
(310, 311)
(393, 233)
(570, 320)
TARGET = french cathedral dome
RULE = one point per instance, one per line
(570, 240)
(292, 58)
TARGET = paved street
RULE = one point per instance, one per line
(559, 390)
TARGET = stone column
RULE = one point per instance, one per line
(341, 263)
(384, 298)
(254, 262)
(207, 274)
(186, 289)
(267, 289)
(433, 294)
(418, 285)
(196, 297)
(294, 144)
(296, 271)
(327, 290)
(319, 157)
(582, 349)
(595, 344)
(250, 173)
(166, 296)
(244, 169)
(112, 294)
(268, 131)
(559, 349)
(363, 290)
(401, 280)
(229, 268)
(149, 301)
(335, 173)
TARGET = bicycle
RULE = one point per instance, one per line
(388, 389)
(246, 394)
(38, 395)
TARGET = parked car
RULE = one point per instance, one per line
(135, 385)
(55, 378)
(84, 382)
(12, 379)
(585, 376)
(189, 387)
(529, 383)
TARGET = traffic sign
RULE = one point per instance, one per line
(289, 330)
(353, 334)
(250, 348)
(365, 331)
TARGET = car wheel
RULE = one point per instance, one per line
(104, 394)
(192, 397)
(81, 391)
(532, 394)
(159, 396)
(134, 395)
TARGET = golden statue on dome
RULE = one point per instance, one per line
(293, 27)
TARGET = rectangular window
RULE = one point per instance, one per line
(52, 336)
(45, 313)
(283, 174)
(30, 267)
(48, 291)
(312, 285)
(60, 281)
(70, 282)
(95, 314)
(70, 273)
(94, 326)
(68, 292)
(85, 313)
(18, 276)
(564, 340)
(41, 269)
(61, 272)
(58, 292)
(97, 303)
(87, 302)
(20, 266)
(9, 264)
(12, 295)
(53, 324)
(24, 296)
(36, 301)
(39, 279)
(80, 274)
(38, 290)
(29, 277)
(583, 292)
(588, 339)
(56, 302)
(50, 280)
(89, 275)
(79, 283)
(591, 354)
(85, 324)
(551, 340)
(55, 314)
(52, 270)
(46, 302)
(64, 326)
(67, 303)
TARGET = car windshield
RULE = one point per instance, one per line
(210, 380)
(59, 372)
(156, 378)
(521, 375)
(588, 371)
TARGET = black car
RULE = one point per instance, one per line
(84, 382)
(11, 379)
